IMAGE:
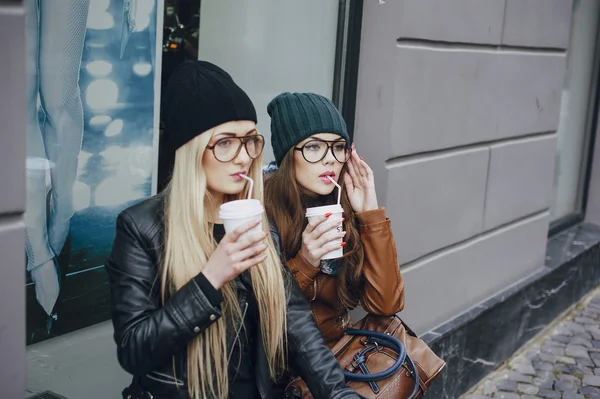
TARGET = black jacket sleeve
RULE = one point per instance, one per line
(307, 352)
(147, 333)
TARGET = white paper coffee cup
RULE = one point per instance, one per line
(236, 213)
(336, 214)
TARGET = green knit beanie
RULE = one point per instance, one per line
(297, 116)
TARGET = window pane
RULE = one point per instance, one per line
(270, 47)
(573, 130)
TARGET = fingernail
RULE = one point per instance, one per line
(328, 214)
(344, 244)
(362, 159)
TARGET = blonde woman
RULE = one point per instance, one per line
(199, 313)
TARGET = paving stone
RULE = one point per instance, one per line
(546, 357)
(581, 341)
(584, 335)
(529, 389)
(506, 385)
(553, 350)
(565, 339)
(588, 390)
(562, 368)
(489, 387)
(565, 386)
(563, 331)
(506, 395)
(585, 362)
(564, 360)
(514, 376)
(574, 327)
(526, 369)
(595, 331)
(577, 351)
(557, 344)
(592, 380)
(585, 320)
(565, 364)
(575, 380)
(545, 393)
(591, 313)
(543, 366)
(545, 381)
(579, 370)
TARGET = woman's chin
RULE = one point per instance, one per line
(229, 189)
(323, 189)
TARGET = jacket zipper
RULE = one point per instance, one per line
(237, 334)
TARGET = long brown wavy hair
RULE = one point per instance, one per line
(286, 202)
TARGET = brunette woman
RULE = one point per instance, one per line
(311, 145)
(199, 313)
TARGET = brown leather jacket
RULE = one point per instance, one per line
(384, 286)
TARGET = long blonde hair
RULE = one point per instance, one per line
(189, 244)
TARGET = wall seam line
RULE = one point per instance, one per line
(503, 21)
(426, 44)
(487, 185)
(413, 264)
(398, 160)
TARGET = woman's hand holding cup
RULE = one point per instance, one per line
(235, 255)
(319, 238)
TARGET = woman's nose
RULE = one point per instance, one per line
(329, 158)
(242, 156)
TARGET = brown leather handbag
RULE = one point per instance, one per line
(382, 358)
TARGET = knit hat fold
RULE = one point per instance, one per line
(297, 116)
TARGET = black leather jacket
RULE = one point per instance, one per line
(149, 336)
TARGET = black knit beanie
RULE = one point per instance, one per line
(297, 116)
(200, 96)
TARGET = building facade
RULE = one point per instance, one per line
(479, 118)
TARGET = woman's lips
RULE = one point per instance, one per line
(325, 177)
(237, 177)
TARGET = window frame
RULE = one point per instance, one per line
(347, 54)
(591, 126)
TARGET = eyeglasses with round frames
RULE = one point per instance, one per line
(316, 150)
(228, 148)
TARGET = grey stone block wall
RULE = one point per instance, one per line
(457, 111)
(12, 201)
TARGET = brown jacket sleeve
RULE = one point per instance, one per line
(384, 285)
(304, 273)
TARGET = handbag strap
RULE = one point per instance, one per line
(379, 339)
(388, 341)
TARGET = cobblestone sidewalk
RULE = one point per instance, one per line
(564, 364)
